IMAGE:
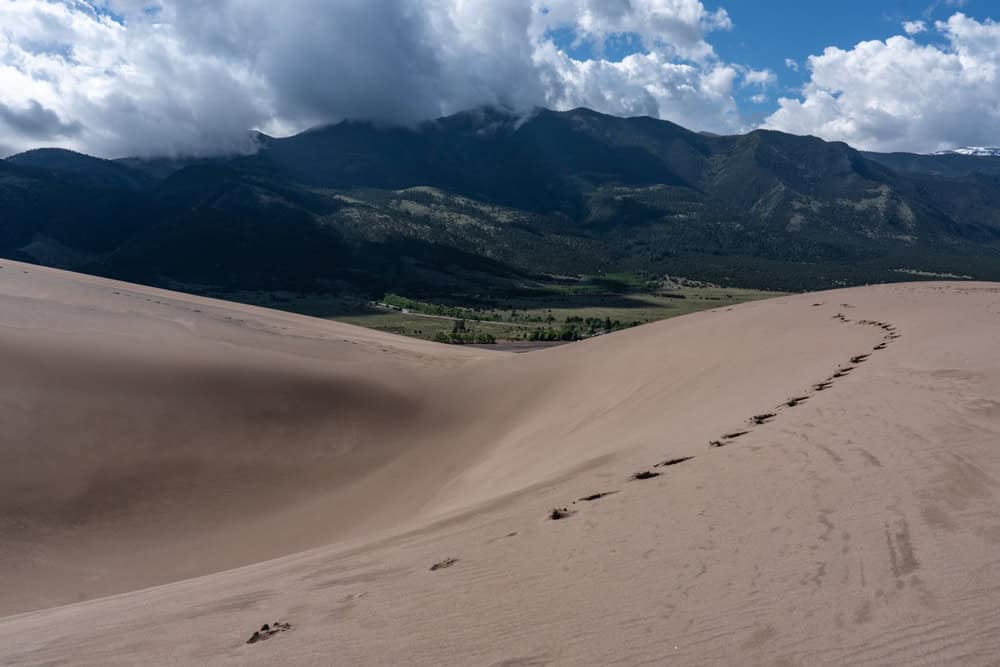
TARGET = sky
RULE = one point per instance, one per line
(192, 77)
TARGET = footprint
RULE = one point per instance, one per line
(645, 474)
(823, 386)
(763, 418)
(734, 435)
(792, 402)
(440, 565)
(859, 358)
(597, 496)
(268, 630)
(558, 513)
(673, 462)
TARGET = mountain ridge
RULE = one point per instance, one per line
(488, 199)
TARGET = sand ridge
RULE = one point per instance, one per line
(560, 507)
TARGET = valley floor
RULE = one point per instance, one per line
(809, 479)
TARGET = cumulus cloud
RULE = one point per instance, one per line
(645, 85)
(117, 77)
(898, 94)
(914, 27)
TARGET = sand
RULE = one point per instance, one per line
(177, 471)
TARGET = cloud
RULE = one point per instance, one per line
(914, 27)
(116, 77)
(645, 85)
(35, 121)
(761, 78)
(671, 27)
(792, 64)
(119, 89)
(900, 95)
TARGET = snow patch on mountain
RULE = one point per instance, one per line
(978, 151)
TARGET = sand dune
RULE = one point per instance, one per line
(805, 480)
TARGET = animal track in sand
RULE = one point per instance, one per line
(841, 372)
(672, 462)
(597, 496)
(440, 565)
(759, 419)
(727, 439)
(268, 630)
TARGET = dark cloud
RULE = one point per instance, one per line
(37, 122)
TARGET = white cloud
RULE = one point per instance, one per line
(761, 78)
(671, 27)
(645, 85)
(901, 95)
(792, 64)
(191, 76)
(914, 27)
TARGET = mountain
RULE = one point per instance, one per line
(97, 172)
(946, 164)
(489, 201)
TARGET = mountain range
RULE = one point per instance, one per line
(487, 200)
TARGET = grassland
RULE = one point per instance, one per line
(567, 308)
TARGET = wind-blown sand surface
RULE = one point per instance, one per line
(150, 437)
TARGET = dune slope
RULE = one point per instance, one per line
(819, 485)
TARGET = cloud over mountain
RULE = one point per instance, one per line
(116, 77)
(191, 76)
